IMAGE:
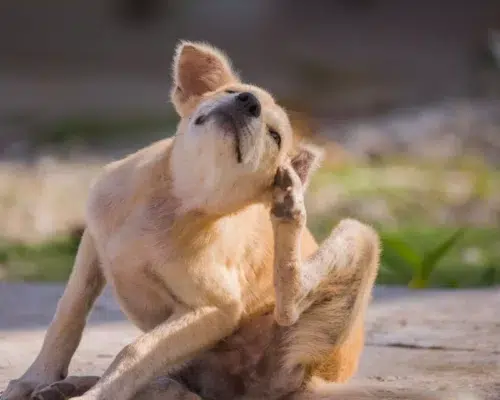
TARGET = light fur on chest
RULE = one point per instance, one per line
(171, 261)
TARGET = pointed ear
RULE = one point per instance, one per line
(198, 68)
(306, 161)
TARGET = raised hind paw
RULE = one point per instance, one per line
(288, 197)
(72, 386)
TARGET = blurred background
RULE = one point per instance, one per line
(404, 97)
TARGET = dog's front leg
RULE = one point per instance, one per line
(65, 331)
(163, 349)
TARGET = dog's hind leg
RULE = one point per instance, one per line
(320, 301)
(332, 290)
(322, 298)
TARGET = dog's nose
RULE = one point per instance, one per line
(249, 104)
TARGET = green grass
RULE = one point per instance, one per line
(50, 261)
(437, 222)
(422, 264)
(415, 207)
(474, 260)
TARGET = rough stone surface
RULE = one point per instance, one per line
(433, 338)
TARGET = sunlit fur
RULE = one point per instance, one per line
(211, 149)
(181, 230)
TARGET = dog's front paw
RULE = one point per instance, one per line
(31, 381)
(18, 389)
(71, 387)
(288, 197)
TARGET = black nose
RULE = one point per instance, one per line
(249, 104)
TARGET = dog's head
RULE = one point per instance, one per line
(232, 137)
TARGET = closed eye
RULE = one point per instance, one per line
(230, 91)
(275, 136)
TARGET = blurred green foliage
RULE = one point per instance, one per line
(431, 257)
(403, 199)
(48, 261)
(95, 131)
(434, 256)
(421, 265)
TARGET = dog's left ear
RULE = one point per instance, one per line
(306, 161)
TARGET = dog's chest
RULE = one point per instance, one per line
(153, 271)
(152, 279)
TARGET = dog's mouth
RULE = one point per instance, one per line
(229, 124)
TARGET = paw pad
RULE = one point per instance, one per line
(288, 196)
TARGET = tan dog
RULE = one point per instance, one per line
(182, 232)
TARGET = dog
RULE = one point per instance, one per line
(203, 239)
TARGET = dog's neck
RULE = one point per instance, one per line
(199, 184)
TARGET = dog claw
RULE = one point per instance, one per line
(288, 197)
(72, 386)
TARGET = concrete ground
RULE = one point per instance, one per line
(434, 339)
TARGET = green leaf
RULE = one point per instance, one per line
(432, 258)
(453, 283)
(389, 270)
(418, 283)
(488, 277)
(404, 251)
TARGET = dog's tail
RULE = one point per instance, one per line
(320, 390)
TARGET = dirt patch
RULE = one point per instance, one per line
(27, 309)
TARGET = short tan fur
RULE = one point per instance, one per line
(202, 238)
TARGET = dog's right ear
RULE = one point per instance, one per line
(306, 161)
(198, 68)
